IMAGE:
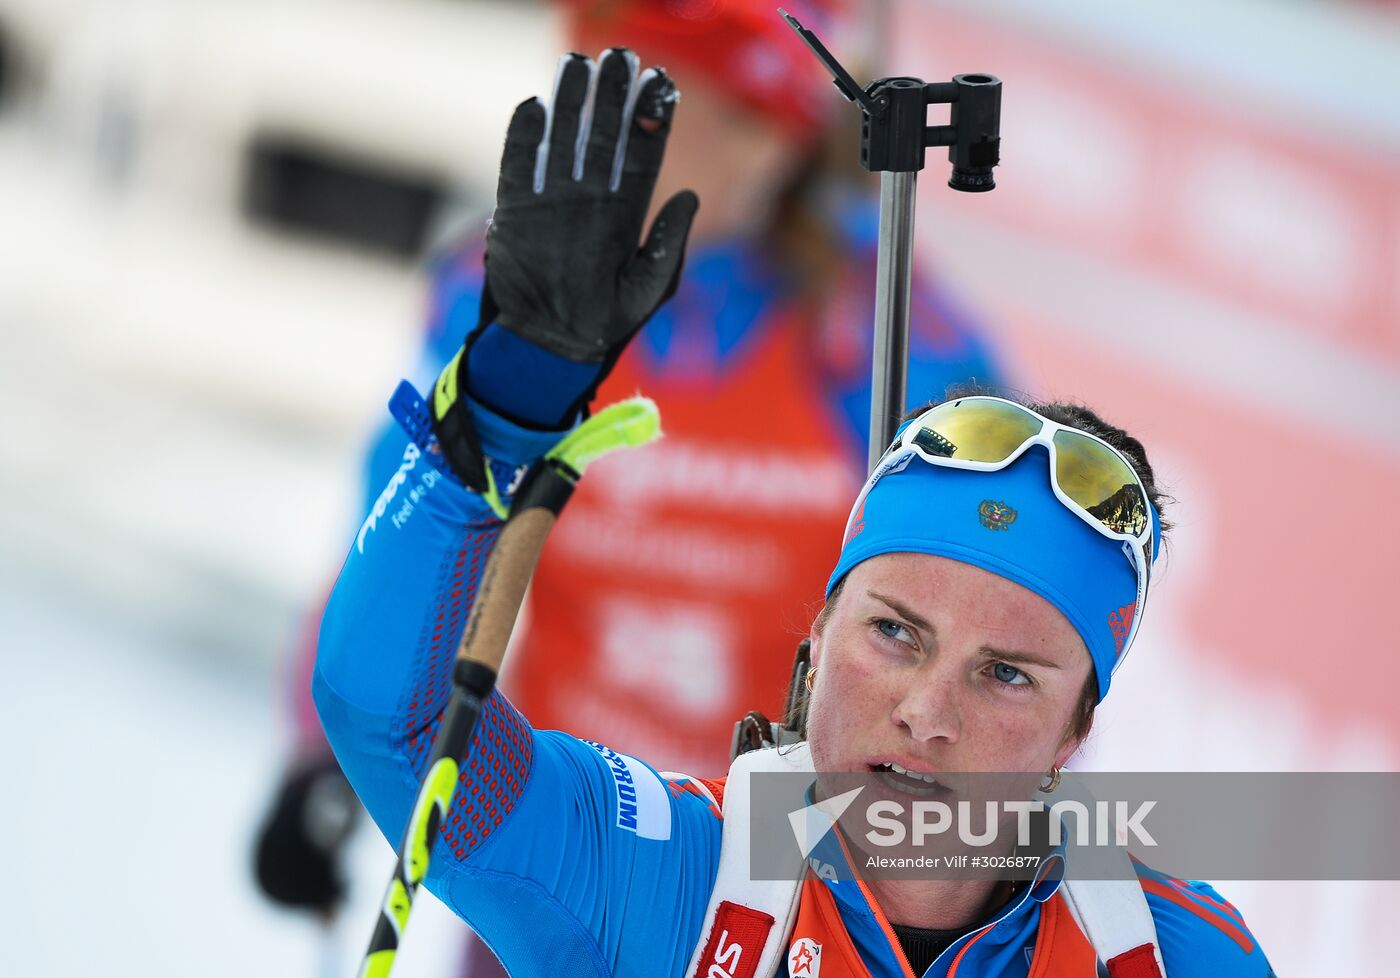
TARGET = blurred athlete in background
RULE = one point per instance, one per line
(686, 572)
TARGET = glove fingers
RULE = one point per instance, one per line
(651, 278)
(572, 87)
(655, 105)
(523, 137)
(617, 77)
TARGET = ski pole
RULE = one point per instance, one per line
(894, 135)
(538, 503)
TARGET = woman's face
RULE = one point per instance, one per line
(942, 667)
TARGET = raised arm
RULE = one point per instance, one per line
(546, 831)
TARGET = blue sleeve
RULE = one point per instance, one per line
(568, 859)
(1201, 934)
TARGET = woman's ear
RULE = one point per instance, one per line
(817, 633)
(814, 639)
(1073, 741)
(822, 619)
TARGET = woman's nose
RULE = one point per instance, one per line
(930, 708)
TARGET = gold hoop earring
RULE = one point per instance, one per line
(810, 673)
(1054, 781)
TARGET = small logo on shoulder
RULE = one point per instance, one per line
(805, 958)
(642, 804)
(995, 515)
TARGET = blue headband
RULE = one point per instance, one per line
(1011, 523)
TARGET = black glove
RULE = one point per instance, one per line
(298, 850)
(563, 266)
(563, 269)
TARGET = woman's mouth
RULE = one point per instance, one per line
(917, 783)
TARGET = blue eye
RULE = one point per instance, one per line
(1010, 674)
(894, 630)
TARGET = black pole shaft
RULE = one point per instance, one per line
(893, 280)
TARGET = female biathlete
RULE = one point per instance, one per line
(973, 620)
(707, 547)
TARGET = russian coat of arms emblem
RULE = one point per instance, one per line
(995, 515)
